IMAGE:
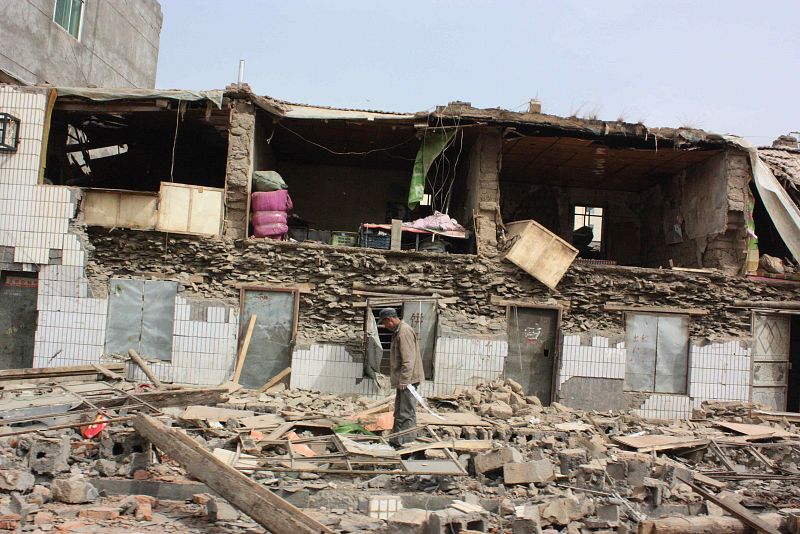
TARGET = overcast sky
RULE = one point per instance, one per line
(728, 66)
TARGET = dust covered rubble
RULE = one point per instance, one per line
(550, 469)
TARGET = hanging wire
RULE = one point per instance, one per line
(347, 153)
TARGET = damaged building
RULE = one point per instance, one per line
(603, 265)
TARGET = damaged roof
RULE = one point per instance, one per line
(784, 164)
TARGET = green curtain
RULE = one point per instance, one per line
(432, 145)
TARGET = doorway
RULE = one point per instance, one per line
(771, 359)
(531, 360)
(793, 391)
(17, 319)
(272, 341)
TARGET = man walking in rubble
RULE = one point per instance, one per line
(405, 365)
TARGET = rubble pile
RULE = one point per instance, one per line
(489, 459)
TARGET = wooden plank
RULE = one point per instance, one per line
(275, 379)
(704, 524)
(452, 419)
(756, 431)
(792, 417)
(107, 372)
(497, 301)
(262, 421)
(53, 372)
(734, 508)
(404, 290)
(243, 352)
(211, 413)
(613, 307)
(539, 252)
(267, 509)
(649, 443)
(145, 368)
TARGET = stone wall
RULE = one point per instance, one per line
(328, 313)
(696, 219)
(483, 188)
(240, 169)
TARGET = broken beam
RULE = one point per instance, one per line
(267, 509)
(57, 372)
(145, 368)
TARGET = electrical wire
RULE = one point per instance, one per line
(347, 153)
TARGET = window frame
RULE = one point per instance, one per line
(603, 222)
(82, 3)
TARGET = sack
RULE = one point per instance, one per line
(268, 217)
(272, 201)
(270, 229)
(268, 181)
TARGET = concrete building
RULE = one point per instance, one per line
(126, 224)
(81, 43)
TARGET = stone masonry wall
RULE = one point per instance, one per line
(240, 169)
(327, 313)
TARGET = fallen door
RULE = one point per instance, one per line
(17, 319)
(532, 336)
(771, 335)
(272, 341)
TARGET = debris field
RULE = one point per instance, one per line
(84, 450)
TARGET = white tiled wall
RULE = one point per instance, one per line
(718, 371)
(458, 362)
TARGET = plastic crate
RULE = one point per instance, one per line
(376, 240)
(344, 239)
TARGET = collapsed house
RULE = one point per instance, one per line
(603, 265)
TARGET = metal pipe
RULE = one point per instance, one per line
(241, 71)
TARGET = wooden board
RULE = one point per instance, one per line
(756, 431)
(267, 509)
(465, 445)
(262, 421)
(539, 252)
(649, 443)
(452, 419)
(654, 309)
(211, 413)
(120, 209)
(190, 209)
(71, 371)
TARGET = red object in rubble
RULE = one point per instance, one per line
(100, 424)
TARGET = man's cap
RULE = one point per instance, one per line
(386, 313)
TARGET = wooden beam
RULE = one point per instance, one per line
(613, 307)
(170, 397)
(775, 304)
(705, 524)
(561, 304)
(145, 368)
(404, 290)
(275, 379)
(57, 372)
(267, 509)
(245, 346)
(734, 508)
(107, 372)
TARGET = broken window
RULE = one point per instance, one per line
(587, 230)
(421, 315)
(69, 15)
(657, 353)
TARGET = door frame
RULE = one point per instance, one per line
(509, 304)
(770, 311)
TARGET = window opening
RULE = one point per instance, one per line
(69, 15)
(587, 231)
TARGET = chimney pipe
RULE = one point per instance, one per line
(241, 71)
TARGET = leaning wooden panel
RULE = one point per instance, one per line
(539, 252)
(270, 511)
